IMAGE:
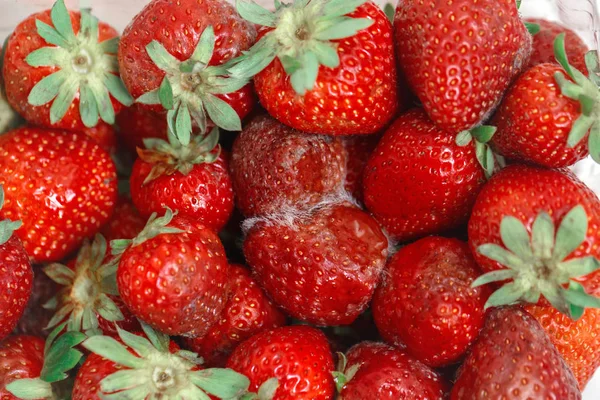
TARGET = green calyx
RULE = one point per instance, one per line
(152, 371)
(390, 11)
(189, 89)
(342, 376)
(86, 289)
(7, 227)
(84, 66)
(302, 38)
(481, 136)
(266, 391)
(585, 90)
(537, 264)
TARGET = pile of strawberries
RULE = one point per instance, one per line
(318, 201)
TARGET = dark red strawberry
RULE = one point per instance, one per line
(135, 124)
(322, 266)
(426, 304)
(173, 275)
(60, 70)
(275, 167)
(379, 371)
(536, 231)
(514, 358)
(21, 357)
(62, 186)
(125, 222)
(35, 318)
(460, 56)
(359, 150)
(292, 362)
(419, 181)
(324, 66)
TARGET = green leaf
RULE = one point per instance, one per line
(594, 142)
(125, 379)
(150, 97)
(542, 236)
(533, 28)
(50, 35)
(46, 57)
(221, 113)
(580, 128)
(254, 13)
(568, 88)
(117, 89)
(576, 295)
(464, 138)
(64, 99)
(518, 4)
(60, 315)
(88, 108)
(347, 27)
(107, 309)
(390, 12)
(593, 66)
(268, 388)
(161, 57)
(110, 46)
(183, 125)
(89, 27)
(221, 85)
(165, 94)
(483, 133)
(159, 340)
(338, 8)
(258, 58)
(494, 276)
(508, 294)
(571, 233)
(340, 379)
(62, 357)
(110, 349)
(140, 345)
(89, 321)
(490, 161)
(221, 382)
(135, 393)
(7, 228)
(61, 19)
(52, 337)
(290, 64)
(60, 273)
(206, 46)
(579, 267)
(481, 154)
(502, 256)
(326, 54)
(516, 238)
(30, 389)
(47, 89)
(105, 107)
(561, 54)
(305, 78)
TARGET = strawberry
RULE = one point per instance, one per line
(104, 135)
(150, 366)
(426, 304)
(61, 185)
(21, 357)
(174, 60)
(536, 231)
(125, 222)
(514, 358)
(9, 118)
(459, 57)
(193, 180)
(292, 362)
(35, 318)
(16, 275)
(60, 70)
(419, 181)
(321, 266)
(545, 117)
(135, 124)
(543, 44)
(323, 66)
(358, 150)
(275, 167)
(173, 275)
(376, 370)
(247, 313)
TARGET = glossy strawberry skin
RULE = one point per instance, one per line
(387, 373)
(275, 167)
(21, 357)
(298, 356)
(176, 282)
(534, 121)
(63, 187)
(543, 44)
(523, 192)
(16, 280)
(459, 57)
(20, 77)
(357, 97)
(426, 304)
(125, 222)
(136, 124)
(322, 269)
(578, 342)
(514, 358)
(418, 181)
(178, 27)
(205, 194)
(248, 312)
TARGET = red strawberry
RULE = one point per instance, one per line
(135, 124)
(323, 66)
(193, 180)
(358, 149)
(35, 318)
(460, 56)
(418, 181)
(292, 362)
(247, 313)
(125, 222)
(275, 167)
(60, 70)
(543, 44)
(62, 186)
(578, 342)
(376, 370)
(180, 48)
(104, 135)
(9, 118)
(21, 357)
(173, 275)
(322, 266)
(426, 303)
(537, 231)
(514, 358)
(545, 118)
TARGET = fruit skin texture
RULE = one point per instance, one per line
(125, 222)
(105, 135)
(275, 167)
(534, 121)
(176, 282)
(136, 124)
(62, 185)
(16, 280)
(387, 373)
(298, 356)
(459, 57)
(426, 304)
(577, 341)
(35, 317)
(543, 44)
(21, 357)
(514, 358)
(523, 192)
(20, 77)
(323, 268)
(248, 312)
(418, 181)
(357, 97)
(359, 150)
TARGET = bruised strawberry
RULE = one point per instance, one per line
(125, 223)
